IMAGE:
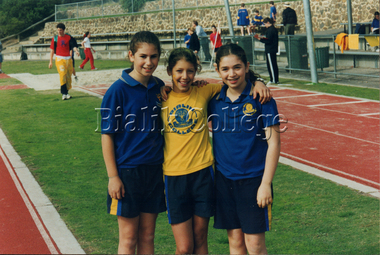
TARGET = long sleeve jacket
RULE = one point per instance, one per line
(289, 16)
(271, 40)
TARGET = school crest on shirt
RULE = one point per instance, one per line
(248, 109)
(183, 119)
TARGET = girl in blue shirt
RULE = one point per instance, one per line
(133, 147)
(246, 145)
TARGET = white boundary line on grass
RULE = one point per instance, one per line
(62, 236)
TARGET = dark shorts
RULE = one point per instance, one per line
(216, 50)
(144, 192)
(188, 195)
(236, 205)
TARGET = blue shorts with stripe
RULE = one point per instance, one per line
(188, 195)
(144, 192)
(236, 205)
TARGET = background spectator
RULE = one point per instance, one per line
(194, 41)
(273, 11)
(204, 43)
(216, 38)
(289, 19)
(375, 24)
(187, 38)
(257, 21)
(243, 19)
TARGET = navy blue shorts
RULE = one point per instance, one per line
(236, 205)
(188, 195)
(144, 192)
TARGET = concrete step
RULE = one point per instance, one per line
(26, 42)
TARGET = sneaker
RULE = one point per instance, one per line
(68, 96)
(94, 69)
(64, 97)
(81, 68)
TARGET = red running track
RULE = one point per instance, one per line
(21, 229)
(336, 134)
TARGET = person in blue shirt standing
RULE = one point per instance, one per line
(273, 11)
(133, 147)
(187, 38)
(246, 145)
(243, 19)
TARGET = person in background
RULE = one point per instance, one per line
(216, 38)
(243, 19)
(257, 21)
(61, 45)
(273, 11)
(194, 44)
(271, 47)
(204, 43)
(187, 38)
(375, 24)
(87, 50)
(289, 19)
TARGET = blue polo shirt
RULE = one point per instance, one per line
(131, 112)
(273, 11)
(375, 23)
(239, 143)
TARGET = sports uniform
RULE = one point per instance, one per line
(130, 111)
(240, 149)
(188, 154)
(243, 17)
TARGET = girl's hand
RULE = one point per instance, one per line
(263, 91)
(116, 188)
(200, 83)
(264, 195)
(165, 90)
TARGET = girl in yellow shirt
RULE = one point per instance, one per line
(188, 159)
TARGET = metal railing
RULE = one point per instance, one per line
(257, 56)
(101, 8)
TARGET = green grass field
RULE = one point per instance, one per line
(58, 142)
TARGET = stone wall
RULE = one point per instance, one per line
(326, 14)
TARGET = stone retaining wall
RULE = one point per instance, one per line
(326, 14)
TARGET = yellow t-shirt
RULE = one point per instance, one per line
(187, 146)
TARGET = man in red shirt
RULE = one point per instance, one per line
(61, 46)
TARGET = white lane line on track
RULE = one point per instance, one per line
(297, 96)
(329, 168)
(29, 206)
(334, 133)
(341, 103)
